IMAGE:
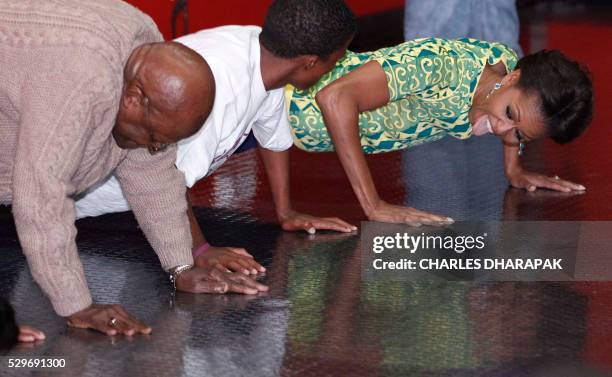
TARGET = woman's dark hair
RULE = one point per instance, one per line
(8, 327)
(564, 89)
(307, 27)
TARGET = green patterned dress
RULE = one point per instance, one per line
(431, 85)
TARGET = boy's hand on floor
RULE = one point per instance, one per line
(229, 259)
(300, 221)
(389, 213)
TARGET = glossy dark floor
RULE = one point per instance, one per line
(320, 318)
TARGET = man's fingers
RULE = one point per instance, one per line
(247, 288)
(123, 326)
(213, 280)
(108, 319)
(133, 321)
(245, 282)
(208, 286)
(239, 288)
(104, 327)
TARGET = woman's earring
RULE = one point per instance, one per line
(521, 150)
(495, 87)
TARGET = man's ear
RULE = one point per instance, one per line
(133, 96)
(512, 78)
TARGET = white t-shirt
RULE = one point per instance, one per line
(241, 102)
(241, 105)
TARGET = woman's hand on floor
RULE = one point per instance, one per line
(229, 259)
(109, 319)
(28, 334)
(388, 213)
(532, 181)
(300, 221)
(213, 280)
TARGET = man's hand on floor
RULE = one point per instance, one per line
(109, 319)
(214, 280)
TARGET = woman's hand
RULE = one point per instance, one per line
(28, 334)
(388, 213)
(108, 319)
(532, 181)
(229, 259)
(299, 221)
(213, 280)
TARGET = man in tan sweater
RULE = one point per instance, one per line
(86, 87)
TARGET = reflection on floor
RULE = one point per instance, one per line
(321, 317)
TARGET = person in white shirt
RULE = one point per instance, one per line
(300, 42)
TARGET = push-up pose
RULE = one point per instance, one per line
(425, 89)
(251, 67)
(86, 87)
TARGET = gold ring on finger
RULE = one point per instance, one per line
(113, 322)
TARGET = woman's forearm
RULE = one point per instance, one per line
(341, 115)
(341, 102)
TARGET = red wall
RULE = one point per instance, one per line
(209, 13)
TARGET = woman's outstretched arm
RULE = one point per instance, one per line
(530, 181)
(341, 102)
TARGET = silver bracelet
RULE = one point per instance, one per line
(174, 272)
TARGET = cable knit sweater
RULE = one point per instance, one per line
(61, 77)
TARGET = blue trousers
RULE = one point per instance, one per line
(489, 20)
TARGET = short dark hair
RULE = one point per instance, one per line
(8, 327)
(307, 27)
(564, 89)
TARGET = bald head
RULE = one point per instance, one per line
(168, 93)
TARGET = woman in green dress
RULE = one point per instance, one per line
(425, 89)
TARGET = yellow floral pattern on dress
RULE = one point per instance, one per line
(431, 85)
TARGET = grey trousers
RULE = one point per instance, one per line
(489, 20)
